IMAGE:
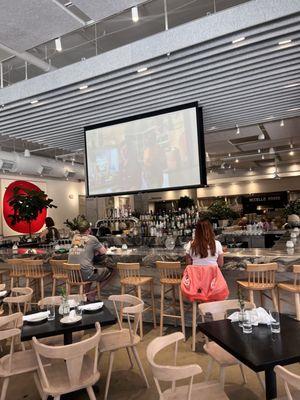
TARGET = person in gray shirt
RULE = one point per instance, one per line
(83, 249)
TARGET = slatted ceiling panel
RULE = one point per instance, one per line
(24, 29)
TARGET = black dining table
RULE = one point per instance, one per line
(55, 327)
(261, 350)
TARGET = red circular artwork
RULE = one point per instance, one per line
(23, 226)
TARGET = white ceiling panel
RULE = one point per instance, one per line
(27, 23)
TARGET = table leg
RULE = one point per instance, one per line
(270, 379)
(68, 339)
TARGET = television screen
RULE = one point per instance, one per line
(150, 152)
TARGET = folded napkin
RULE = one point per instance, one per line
(258, 316)
(92, 306)
(3, 293)
(32, 317)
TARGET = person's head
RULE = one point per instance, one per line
(204, 239)
(49, 222)
(84, 225)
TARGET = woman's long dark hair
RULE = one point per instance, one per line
(204, 240)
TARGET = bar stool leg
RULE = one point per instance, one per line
(139, 291)
(121, 304)
(42, 288)
(181, 312)
(162, 298)
(274, 299)
(174, 303)
(153, 303)
(297, 303)
(11, 282)
(53, 287)
(251, 296)
(194, 326)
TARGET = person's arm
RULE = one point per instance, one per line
(188, 258)
(44, 234)
(101, 250)
(219, 250)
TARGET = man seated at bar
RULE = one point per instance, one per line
(84, 248)
(204, 249)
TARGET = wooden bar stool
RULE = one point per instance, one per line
(74, 278)
(170, 276)
(130, 276)
(261, 277)
(292, 287)
(58, 273)
(34, 270)
(16, 271)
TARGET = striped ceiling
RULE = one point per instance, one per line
(246, 83)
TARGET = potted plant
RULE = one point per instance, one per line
(292, 212)
(27, 204)
(221, 211)
(75, 223)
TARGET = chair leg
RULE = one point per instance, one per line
(274, 299)
(11, 283)
(4, 388)
(136, 356)
(222, 376)
(111, 361)
(194, 326)
(91, 393)
(139, 291)
(278, 300)
(42, 288)
(153, 304)
(174, 303)
(261, 381)
(297, 303)
(121, 304)
(162, 299)
(53, 287)
(209, 368)
(38, 386)
(181, 305)
(130, 358)
(243, 373)
(251, 296)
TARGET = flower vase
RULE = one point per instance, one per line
(64, 308)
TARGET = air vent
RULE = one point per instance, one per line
(244, 140)
(8, 165)
(70, 174)
(44, 170)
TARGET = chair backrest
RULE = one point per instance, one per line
(57, 267)
(170, 373)
(296, 270)
(129, 270)
(19, 297)
(289, 379)
(57, 300)
(17, 267)
(218, 309)
(263, 274)
(72, 355)
(33, 268)
(134, 308)
(73, 273)
(10, 329)
(169, 270)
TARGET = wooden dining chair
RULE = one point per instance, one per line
(20, 298)
(292, 287)
(15, 362)
(170, 281)
(261, 278)
(58, 274)
(73, 367)
(16, 271)
(173, 373)
(290, 380)
(35, 273)
(132, 281)
(128, 339)
(218, 310)
(74, 279)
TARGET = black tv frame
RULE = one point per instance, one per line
(201, 148)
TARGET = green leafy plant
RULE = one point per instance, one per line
(241, 298)
(219, 209)
(76, 222)
(63, 293)
(292, 208)
(185, 202)
(27, 204)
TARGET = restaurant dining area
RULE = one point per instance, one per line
(150, 200)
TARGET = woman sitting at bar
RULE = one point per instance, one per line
(50, 234)
(204, 249)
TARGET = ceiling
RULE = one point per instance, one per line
(255, 81)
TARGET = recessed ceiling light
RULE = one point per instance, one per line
(282, 123)
(284, 42)
(143, 69)
(271, 150)
(258, 150)
(83, 87)
(291, 153)
(238, 40)
(236, 160)
(262, 157)
(261, 136)
(34, 101)
(58, 44)
(237, 129)
(134, 14)
(229, 154)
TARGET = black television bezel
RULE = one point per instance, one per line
(201, 148)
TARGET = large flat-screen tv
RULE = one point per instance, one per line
(156, 151)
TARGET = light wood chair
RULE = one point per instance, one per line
(261, 278)
(173, 373)
(58, 273)
(14, 363)
(123, 338)
(19, 298)
(16, 271)
(289, 379)
(218, 310)
(292, 287)
(170, 276)
(72, 367)
(130, 277)
(35, 274)
(74, 279)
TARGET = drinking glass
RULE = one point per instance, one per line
(247, 323)
(241, 317)
(275, 321)
(78, 309)
(51, 312)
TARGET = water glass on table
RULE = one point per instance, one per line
(78, 309)
(275, 321)
(247, 323)
(51, 311)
